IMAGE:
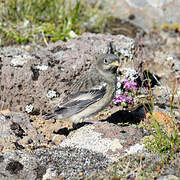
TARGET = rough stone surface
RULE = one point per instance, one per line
(18, 165)
(17, 132)
(108, 139)
(30, 80)
(73, 162)
(57, 163)
(163, 62)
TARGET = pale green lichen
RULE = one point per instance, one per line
(29, 108)
(42, 67)
(51, 94)
(20, 60)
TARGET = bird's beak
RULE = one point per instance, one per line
(115, 63)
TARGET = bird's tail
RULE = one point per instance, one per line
(48, 116)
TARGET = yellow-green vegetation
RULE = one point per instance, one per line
(163, 127)
(164, 138)
(163, 141)
(167, 27)
(43, 21)
(135, 167)
(139, 167)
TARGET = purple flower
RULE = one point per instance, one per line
(121, 98)
(130, 85)
(129, 99)
(126, 93)
(132, 178)
(110, 106)
(126, 96)
(175, 149)
(127, 84)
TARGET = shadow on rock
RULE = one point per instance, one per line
(66, 131)
(124, 116)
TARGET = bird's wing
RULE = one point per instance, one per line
(79, 101)
(92, 80)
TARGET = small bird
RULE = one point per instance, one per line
(91, 94)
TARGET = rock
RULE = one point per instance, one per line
(109, 139)
(57, 139)
(56, 163)
(17, 165)
(147, 13)
(39, 76)
(16, 132)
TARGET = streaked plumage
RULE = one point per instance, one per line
(92, 93)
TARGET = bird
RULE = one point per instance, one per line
(91, 93)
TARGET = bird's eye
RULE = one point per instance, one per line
(105, 61)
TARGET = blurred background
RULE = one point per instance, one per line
(44, 21)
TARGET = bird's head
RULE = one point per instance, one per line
(108, 63)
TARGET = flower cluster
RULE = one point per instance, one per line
(130, 86)
(126, 95)
(121, 98)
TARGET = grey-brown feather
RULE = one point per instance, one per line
(89, 90)
(79, 104)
